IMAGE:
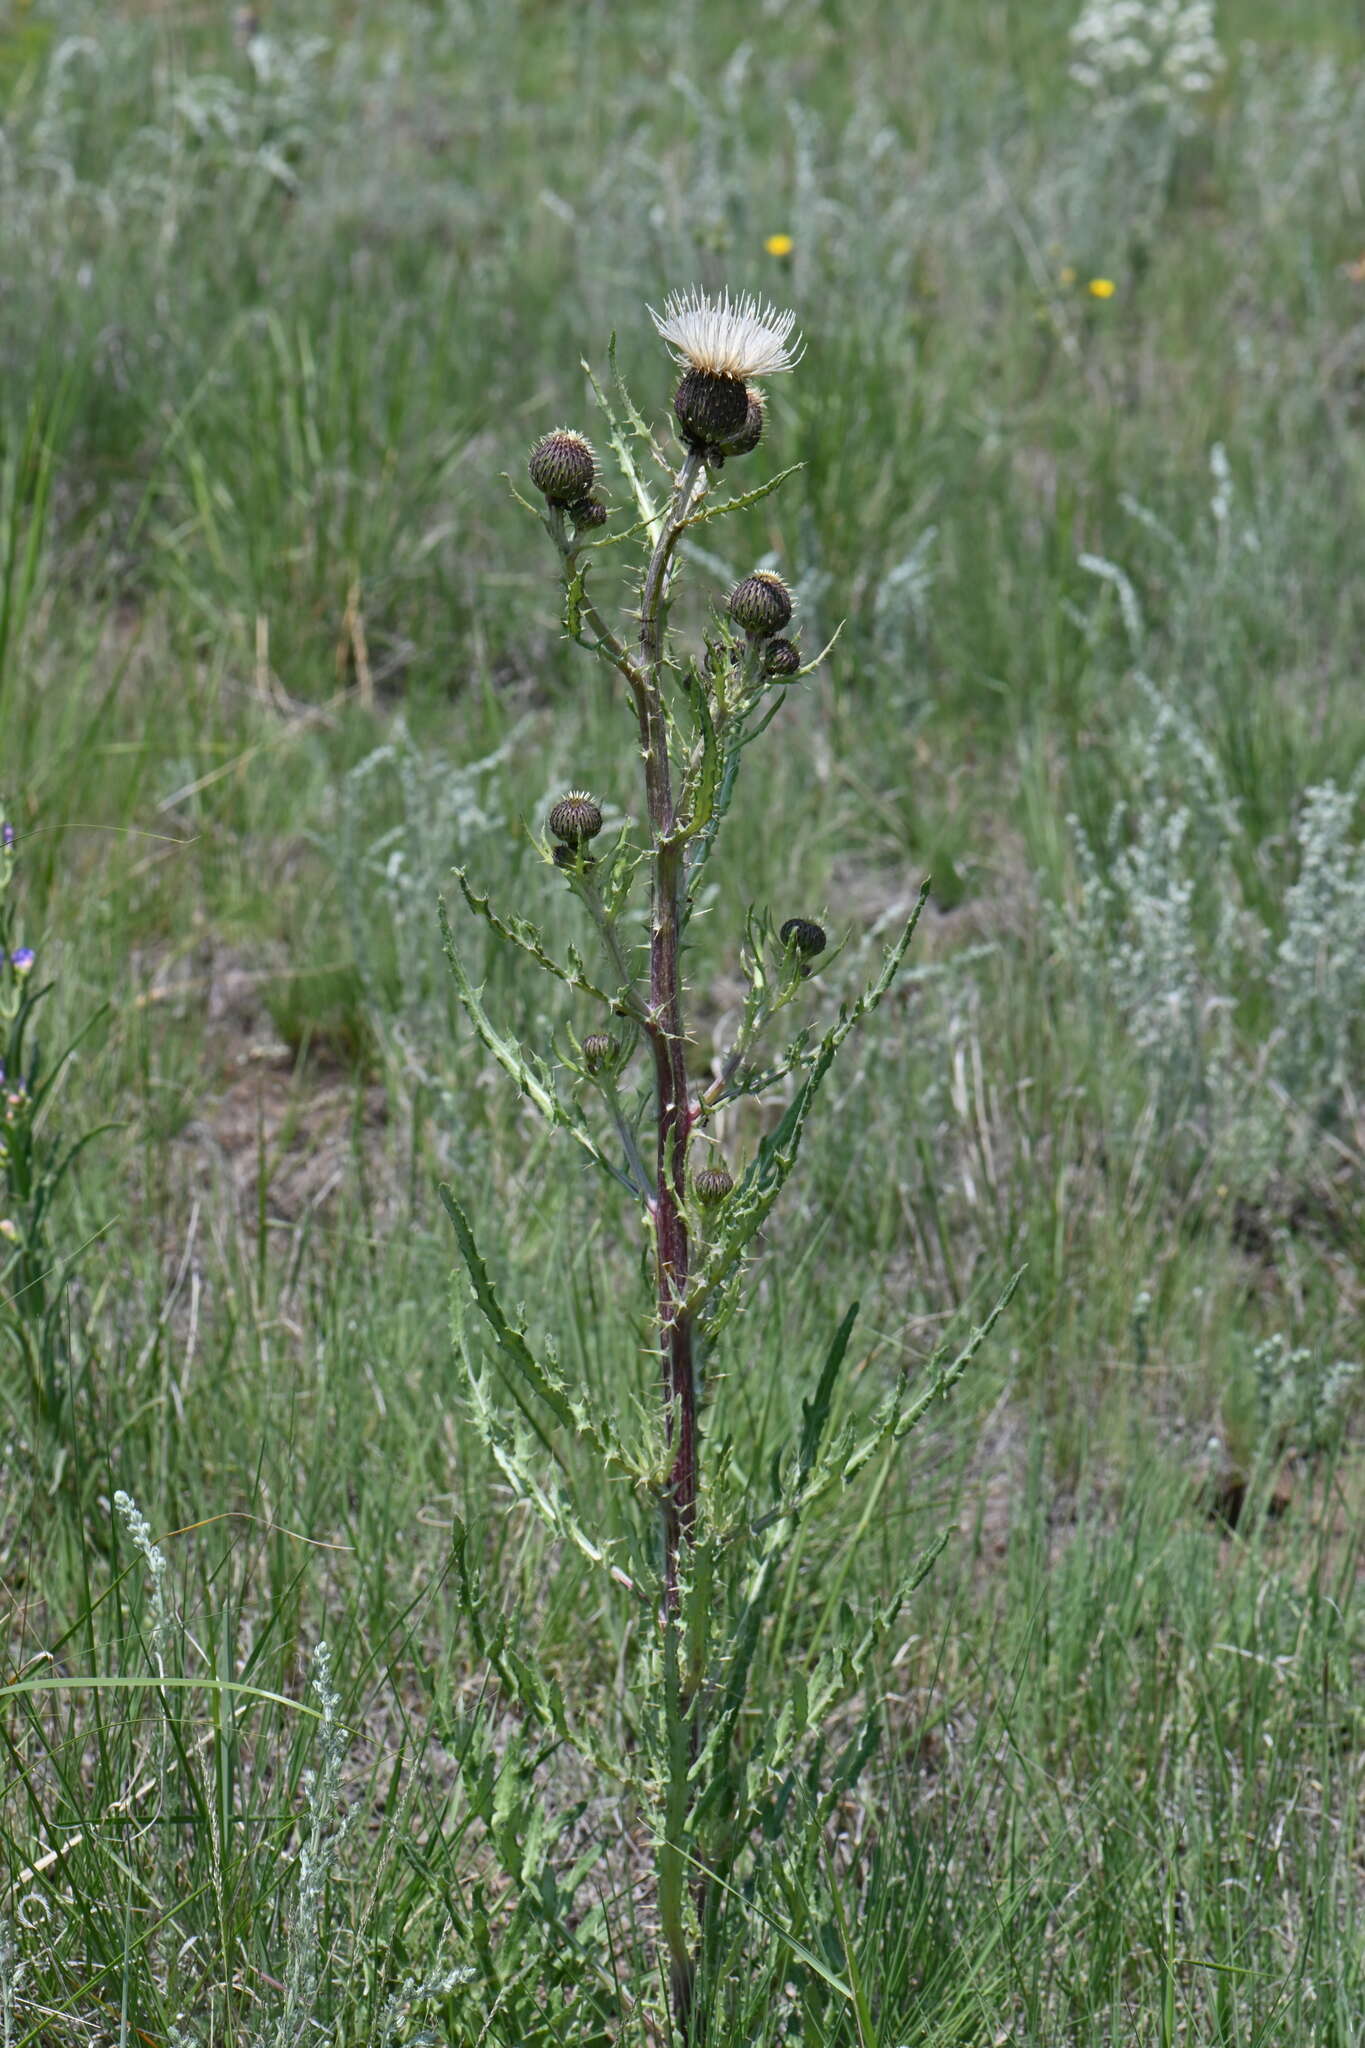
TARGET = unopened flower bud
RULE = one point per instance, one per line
(804, 935)
(575, 818)
(761, 604)
(781, 658)
(572, 857)
(598, 1050)
(711, 1184)
(751, 433)
(711, 409)
(563, 467)
(588, 512)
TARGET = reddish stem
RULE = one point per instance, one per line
(673, 1111)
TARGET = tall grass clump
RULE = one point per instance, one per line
(699, 1547)
(36, 1156)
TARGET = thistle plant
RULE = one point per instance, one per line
(701, 1562)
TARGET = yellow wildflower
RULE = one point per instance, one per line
(779, 245)
(1101, 287)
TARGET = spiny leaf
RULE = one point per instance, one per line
(650, 514)
(815, 1412)
(525, 935)
(749, 498)
(699, 796)
(757, 1192)
(530, 1075)
(539, 1378)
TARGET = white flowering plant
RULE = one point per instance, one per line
(1146, 53)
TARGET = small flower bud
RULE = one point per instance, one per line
(572, 857)
(575, 818)
(781, 658)
(598, 1051)
(563, 467)
(711, 409)
(588, 512)
(751, 433)
(711, 1184)
(761, 604)
(805, 935)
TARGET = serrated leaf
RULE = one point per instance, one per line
(530, 1074)
(815, 1412)
(650, 514)
(753, 497)
(535, 1375)
(699, 798)
(520, 932)
(753, 1199)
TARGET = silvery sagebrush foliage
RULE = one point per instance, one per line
(316, 1858)
(1319, 976)
(699, 1562)
(1155, 53)
(1303, 1400)
(1164, 941)
(388, 875)
(261, 120)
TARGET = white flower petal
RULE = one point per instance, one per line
(727, 337)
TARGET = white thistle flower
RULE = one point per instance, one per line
(725, 337)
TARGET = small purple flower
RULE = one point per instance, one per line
(22, 959)
(6, 835)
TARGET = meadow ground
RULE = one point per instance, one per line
(1082, 427)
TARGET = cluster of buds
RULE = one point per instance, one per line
(761, 606)
(563, 469)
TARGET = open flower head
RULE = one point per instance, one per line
(725, 337)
